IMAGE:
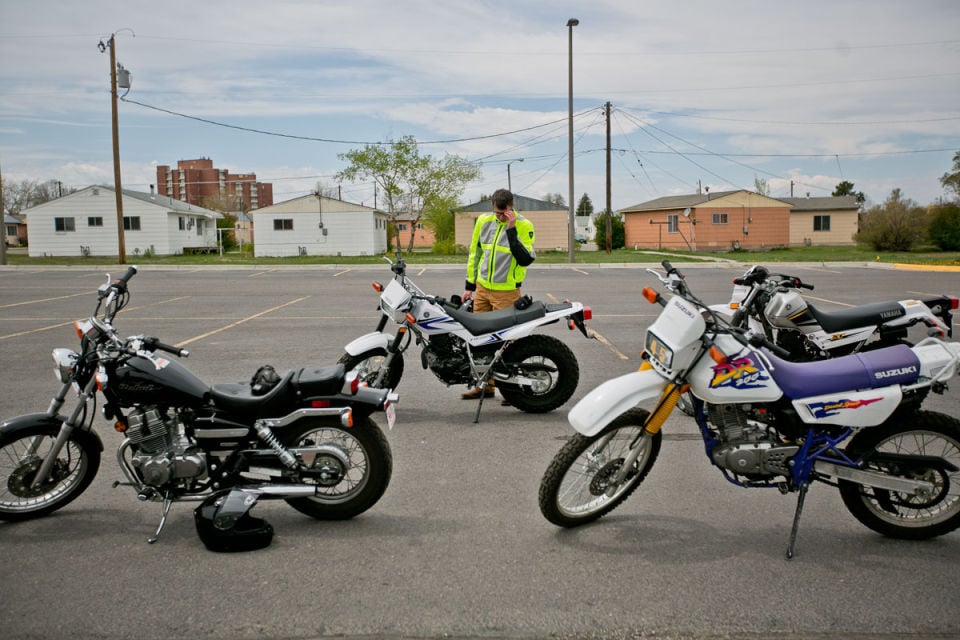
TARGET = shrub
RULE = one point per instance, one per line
(896, 225)
(945, 226)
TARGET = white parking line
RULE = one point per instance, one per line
(239, 322)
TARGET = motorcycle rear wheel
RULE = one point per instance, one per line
(552, 366)
(574, 488)
(368, 365)
(21, 454)
(900, 515)
(361, 485)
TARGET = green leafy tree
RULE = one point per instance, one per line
(618, 234)
(951, 180)
(896, 225)
(439, 217)
(845, 188)
(228, 239)
(585, 207)
(945, 226)
(410, 182)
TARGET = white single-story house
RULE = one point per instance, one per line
(84, 223)
(314, 225)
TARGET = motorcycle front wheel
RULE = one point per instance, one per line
(576, 488)
(343, 491)
(368, 365)
(22, 452)
(903, 515)
(549, 370)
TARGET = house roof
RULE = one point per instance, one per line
(522, 203)
(696, 199)
(823, 204)
(171, 204)
(9, 218)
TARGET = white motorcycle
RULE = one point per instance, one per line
(535, 373)
(771, 302)
(853, 422)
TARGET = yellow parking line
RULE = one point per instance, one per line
(842, 304)
(18, 304)
(608, 344)
(67, 324)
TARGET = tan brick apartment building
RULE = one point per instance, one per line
(194, 181)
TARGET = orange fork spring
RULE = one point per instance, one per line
(668, 401)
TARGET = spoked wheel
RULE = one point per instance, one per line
(22, 453)
(577, 486)
(913, 516)
(548, 371)
(368, 365)
(351, 472)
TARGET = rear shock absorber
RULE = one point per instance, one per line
(268, 436)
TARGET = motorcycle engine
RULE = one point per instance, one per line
(161, 452)
(446, 356)
(746, 446)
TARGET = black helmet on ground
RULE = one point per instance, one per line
(224, 523)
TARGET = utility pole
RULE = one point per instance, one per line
(609, 230)
(121, 245)
(3, 225)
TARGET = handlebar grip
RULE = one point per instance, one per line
(741, 281)
(125, 278)
(806, 286)
(757, 340)
(153, 344)
(669, 267)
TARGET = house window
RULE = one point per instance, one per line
(283, 224)
(131, 223)
(183, 223)
(673, 223)
(720, 218)
(95, 221)
(401, 226)
(821, 223)
(11, 230)
(199, 227)
(64, 224)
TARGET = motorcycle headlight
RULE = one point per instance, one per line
(66, 361)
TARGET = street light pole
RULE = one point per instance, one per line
(571, 23)
(509, 185)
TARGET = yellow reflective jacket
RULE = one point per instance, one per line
(498, 255)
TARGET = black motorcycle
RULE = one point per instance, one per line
(306, 436)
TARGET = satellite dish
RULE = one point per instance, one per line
(686, 212)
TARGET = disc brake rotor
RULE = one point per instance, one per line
(22, 477)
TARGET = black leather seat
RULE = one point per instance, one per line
(490, 321)
(238, 397)
(867, 315)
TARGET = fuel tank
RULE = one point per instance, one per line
(157, 380)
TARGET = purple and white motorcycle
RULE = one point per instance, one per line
(854, 422)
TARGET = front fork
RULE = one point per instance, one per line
(665, 406)
(393, 348)
(66, 429)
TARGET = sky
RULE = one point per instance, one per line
(703, 94)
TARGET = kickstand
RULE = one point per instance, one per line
(476, 416)
(167, 503)
(796, 520)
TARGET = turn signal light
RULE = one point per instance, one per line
(954, 302)
(650, 295)
(587, 313)
(410, 319)
(120, 426)
(717, 356)
(377, 286)
(734, 305)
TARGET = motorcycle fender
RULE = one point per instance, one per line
(11, 428)
(598, 408)
(375, 340)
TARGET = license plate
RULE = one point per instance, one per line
(391, 412)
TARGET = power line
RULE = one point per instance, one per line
(332, 140)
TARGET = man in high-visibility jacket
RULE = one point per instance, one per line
(500, 251)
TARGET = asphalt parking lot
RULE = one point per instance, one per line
(457, 547)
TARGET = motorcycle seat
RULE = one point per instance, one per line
(868, 370)
(240, 396)
(319, 381)
(867, 315)
(490, 321)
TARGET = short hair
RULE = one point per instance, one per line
(502, 198)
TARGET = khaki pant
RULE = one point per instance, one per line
(488, 300)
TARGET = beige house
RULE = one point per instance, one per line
(823, 221)
(549, 221)
(739, 219)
